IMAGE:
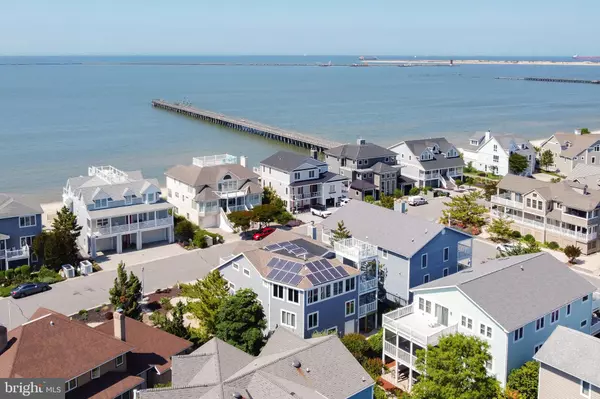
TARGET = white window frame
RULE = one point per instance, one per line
(311, 174)
(26, 237)
(424, 256)
(421, 304)
(291, 290)
(235, 266)
(444, 257)
(346, 285)
(308, 327)
(430, 306)
(353, 301)
(296, 175)
(557, 313)
(102, 206)
(384, 254)
(69, 386)
(426, 277)
(491, 362)
(231, 286)
(128, 200)
(29, 218)
(537, 348)
(246, 272)
(314, 294)
(589, 389)
(518, 334)
(92, 373)
(291, 313)
(487, 331)
(122, 358)
(543, 323)
(467, 320)
(98, 225)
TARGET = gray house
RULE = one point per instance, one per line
(287, 367)
(572, 149)
(569, 365)
(307, 287)
(413, 250)
(371, 169)
(20, 222)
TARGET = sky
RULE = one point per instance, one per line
(273, 27)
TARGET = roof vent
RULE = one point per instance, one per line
(237, 395)
(412, 240)
(51, 322)
(364, 379)
(307, 370)
(296, 364)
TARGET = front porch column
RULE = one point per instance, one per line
(138, 240)
(410, 369)
(119, 239)
(110, 225)
(396, 359)
(171, 233)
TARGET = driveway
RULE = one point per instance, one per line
(134, 257)
(308, 217)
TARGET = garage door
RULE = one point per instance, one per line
(154, 236)
(106, 244)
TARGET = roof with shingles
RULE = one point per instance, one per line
(197, 176)
(578, 143)
(586, 174)
(517, 290)
(288, 161)
(271, 375)
(14, 205)
(572, 352)
(360, 151)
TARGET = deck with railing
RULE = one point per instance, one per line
(355, 249)
(132, 227)
(15, 253)
(413, 327)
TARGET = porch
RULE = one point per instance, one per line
(12, 254)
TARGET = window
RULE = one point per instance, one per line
(27, 221)
(101, 203)
(311, 173)
(583, 323)
(350, 284)
(101, 222)
(488, 365)
(540, 205)
(593, 159)
(495, 148)
(293, 295)
(95, 373)
(421, 304)
(423, 261)
(246, 272)
(537, 348)
(445, 271)
(338, 288)
(568, 309)
(288, 319)
(312, 296)
(277, 291)
(585, 389)
(428, 306)
(350, 308)
(128, 199)
(235, 266)
(27, 241)
(518, 334)
(231, 286)
(325, 292)
(539, 323)
(425, 278)
(313, 320)
(529, 202)
(496, 158)
(176, 194)
(71, 384)
(332, 189)
(466, 322)
(554, 316)
(446, 254)
(585, 298)
(119, 361)
(169, 193)
(297, 176)
(384, 254)
(410, 157)
(485, 331)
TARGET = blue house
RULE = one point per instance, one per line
(20, 222)
(411, 250)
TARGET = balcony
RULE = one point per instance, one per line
(236, 208)
(312, 194)
(595, 327)
(399, 354)
(421, 329)
(501, 200)
(132, 227)
(367, 308)
(464, 253)
(367, 285)
(14, 254)
(355, 250)
(572, 233)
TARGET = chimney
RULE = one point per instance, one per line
(488, 134)
(119, 323)
(314, 153)
(3, 338)
(243, 161)
(577, 132)
(361, 141)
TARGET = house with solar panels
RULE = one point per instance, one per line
(307, 287)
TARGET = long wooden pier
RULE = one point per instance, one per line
(260, 129)
(552, 80)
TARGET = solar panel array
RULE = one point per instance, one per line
(290, 247)
(322, 271)
(285, 271)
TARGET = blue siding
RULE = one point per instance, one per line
(332, 312)
(10, 227)
(364, 394)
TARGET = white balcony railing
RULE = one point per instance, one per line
(313, 194)
(367, 308)
(15, 253)
(572, 233)
(132, 227)
(236, 208)
(401, 321)
(367, 285)
(399, 354)
(354, 249)
(497, 199)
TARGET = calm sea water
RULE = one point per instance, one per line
(57, 118)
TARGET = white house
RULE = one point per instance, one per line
(117, 210)
(211, 187)
(430, 162)
(302, 181)
(512, 303)
(490, 152)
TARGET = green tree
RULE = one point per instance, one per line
(341, 232)
(174, 325)
(520, 249)
(210, 293)
(264, 214)
(489, 188)
(184, 230)
(464, 210)
(517, 163)
(125, 292)
(376, 342)
(500, 229)
(283, 216)
(525, 380)
(280, 213)
(572, 252)
(398, 193)
(241, 320)
(585, 130)
(270, 197)
(67, 231)
(357, 345)
(242, 220)
(546, 159)
(386, 201)
(414, 191)
(455, 368)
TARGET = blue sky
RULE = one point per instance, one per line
(198, 27)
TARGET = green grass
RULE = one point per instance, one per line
(552, 173)
(489, 176)
(5, 291)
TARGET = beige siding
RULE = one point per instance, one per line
(554, 384)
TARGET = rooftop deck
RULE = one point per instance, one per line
(421, 329)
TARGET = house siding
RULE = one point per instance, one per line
(555, 384)
(364, 394)
(332, 312)
(109, 366)
(10, 227)
(396, 280)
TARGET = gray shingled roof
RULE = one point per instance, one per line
(586, 174)
(288, 161)
(362, 185)
(579, 143)
(196, 176)
(391, 230)
(13, 205)
(327, 177)
(381, 167)
(439, 160)
(271, 375)
(517, 290)
(360, 151)
(572, 352)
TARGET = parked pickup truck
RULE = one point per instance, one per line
(320, 210)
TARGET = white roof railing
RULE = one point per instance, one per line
(212, 160)
(109, 173)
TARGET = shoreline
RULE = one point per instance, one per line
(480, 62)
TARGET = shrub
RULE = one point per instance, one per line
(5, 291)
(376, 342)
(184, 230)
(25, 271)
(2, 274)
(516, 234)
(374, 366)
(10, 274)
(357, 345)
(108, 316)
(529, 239)
(84, 314)
(572, 252)
(398, 193)
(481, 174)
(552, 245)
(414, 191)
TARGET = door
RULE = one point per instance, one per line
(442, 315)
(349, 327)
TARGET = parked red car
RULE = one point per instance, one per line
(262, 233)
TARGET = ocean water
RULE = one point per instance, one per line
(60, 114)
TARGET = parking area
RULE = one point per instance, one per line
(308, 217)
(110, 261)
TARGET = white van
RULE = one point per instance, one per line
(416, 200)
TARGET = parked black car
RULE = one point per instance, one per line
(29, 289)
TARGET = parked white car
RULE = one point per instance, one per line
(505, 247)
(320, 210)
(416, 200)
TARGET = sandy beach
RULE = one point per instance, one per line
(480, 62)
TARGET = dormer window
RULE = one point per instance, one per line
(101, 203)
(149, 198)
(474, 142)
(128, 199)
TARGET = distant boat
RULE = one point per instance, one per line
(368, 58)
(586, 57)
(326, 65)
